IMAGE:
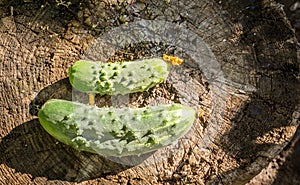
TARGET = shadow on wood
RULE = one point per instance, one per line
(262, 121)
(264, 125)
(28, 148)
(289, 171)
(252, 42)
(61, 89)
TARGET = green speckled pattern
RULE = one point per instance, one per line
(118, 78)
(115, 132)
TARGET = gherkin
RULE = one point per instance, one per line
(119, 77)
(115, 132)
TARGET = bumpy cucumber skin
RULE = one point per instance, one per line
(115, 132)
(118, 78)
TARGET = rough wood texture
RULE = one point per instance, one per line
(249, 117)
(285, 167)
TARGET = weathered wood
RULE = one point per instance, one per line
(250, 115)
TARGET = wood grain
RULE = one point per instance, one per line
(254, 46)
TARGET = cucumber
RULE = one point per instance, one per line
(119, 77)
(115, 132)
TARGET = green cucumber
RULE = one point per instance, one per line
(119, 77)
(115, 132)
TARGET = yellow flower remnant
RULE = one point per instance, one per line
(91, 99)
(201, 115)
(175, 60)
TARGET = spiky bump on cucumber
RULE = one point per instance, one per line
(118, 78)
(115, 132)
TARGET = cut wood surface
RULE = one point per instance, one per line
(247, 86)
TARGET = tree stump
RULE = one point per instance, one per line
(241, 69)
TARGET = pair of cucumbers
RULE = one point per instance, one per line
(109, 131)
